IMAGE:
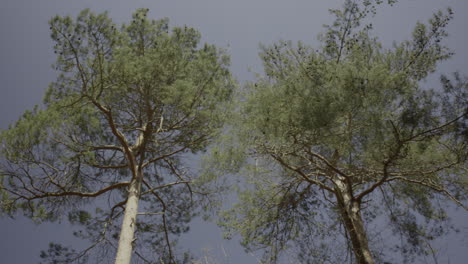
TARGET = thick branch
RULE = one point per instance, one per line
(328, 163)
(118, 134)
(385, 175)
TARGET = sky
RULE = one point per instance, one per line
(26, 57)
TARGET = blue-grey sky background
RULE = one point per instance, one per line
(26, 57)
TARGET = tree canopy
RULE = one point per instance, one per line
(348, 155)
(112, 137)
(344, 138)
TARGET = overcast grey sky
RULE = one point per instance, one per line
(238, 25)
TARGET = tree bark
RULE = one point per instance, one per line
(351, 215)
(125, 248)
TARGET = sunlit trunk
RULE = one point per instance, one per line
(125, 248)
(351, 215)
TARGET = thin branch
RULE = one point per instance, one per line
(118, 134)
(104, 147)
(166, 234)
(79, 194)
(301, 173)
(164, 186)
(385, 173)
(164, 156)
(150, 213)
(99, 166)
(432, 186)
(437, 128)
(328, 163)
(187, 183)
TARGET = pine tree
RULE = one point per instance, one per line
(109, 143)
(345, 136)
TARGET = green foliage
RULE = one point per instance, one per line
(139, 96)
(349, 113)
(58, 254)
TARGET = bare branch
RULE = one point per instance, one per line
(150, 213)
(435, 129)
(187, 183)
(302, 174)
(433, 186)
(327, 162)
(79, 194)
(164, 186)
(123, 141)
(99, 166)
(166, 233)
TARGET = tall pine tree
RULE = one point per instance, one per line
(109, 144)
(345, 136)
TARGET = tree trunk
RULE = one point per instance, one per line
(351, 215)
(125, 248)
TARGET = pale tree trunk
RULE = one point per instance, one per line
(351, 215)
(125, 248)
